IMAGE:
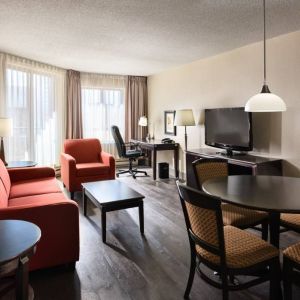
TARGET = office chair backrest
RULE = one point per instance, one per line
(118, 140)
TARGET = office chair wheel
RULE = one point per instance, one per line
(117, 175)
(134, 177)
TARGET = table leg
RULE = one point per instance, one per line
(103, 223)
(22, 279)
(141, 217)
(274, 219)
(154, 163)
(176, 162)
(84, 198)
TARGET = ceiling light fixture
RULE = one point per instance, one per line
(265, 101)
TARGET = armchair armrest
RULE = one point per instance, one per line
(19, 174)
(109, 160)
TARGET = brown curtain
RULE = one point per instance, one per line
(74, 114)
(135, 107)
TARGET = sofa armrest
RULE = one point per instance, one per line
(59, 224)
(19, 174)
(68, 170)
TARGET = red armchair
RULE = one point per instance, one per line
(83, 161)
(32, 194)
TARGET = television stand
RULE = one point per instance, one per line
(230, 153)
(238, 164)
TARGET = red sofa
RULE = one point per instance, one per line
(83, 161)
(32, 194)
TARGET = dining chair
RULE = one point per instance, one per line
(243, 218)
(290, 222)
(227, 250)
(291, 269)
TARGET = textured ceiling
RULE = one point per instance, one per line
(138, 37)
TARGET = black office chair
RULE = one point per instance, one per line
(132, 153)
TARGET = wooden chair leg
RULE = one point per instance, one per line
(191, 275)
(287, 274)
(275, 278)
(264, 230)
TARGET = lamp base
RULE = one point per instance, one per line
(2, 154)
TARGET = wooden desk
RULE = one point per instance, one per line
(156, 145)
(273, 194)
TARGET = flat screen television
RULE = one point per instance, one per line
(229, 128)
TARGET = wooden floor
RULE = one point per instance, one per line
(131, 266)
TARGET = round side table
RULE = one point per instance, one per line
(18, 240)
(21, 164)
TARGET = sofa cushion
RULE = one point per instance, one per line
(37, 199)
(5, 177)
(34, 187)
(91, 169)
(3, 196)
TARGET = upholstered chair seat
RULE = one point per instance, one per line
(290, 221)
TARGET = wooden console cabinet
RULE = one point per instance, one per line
(238, 164)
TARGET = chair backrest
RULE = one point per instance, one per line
(5, 185)
(206, 168)
(118, 140)
(203, 219)
(83, 150)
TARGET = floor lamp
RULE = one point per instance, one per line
(184, 117)
(5, 131)
(143, 122)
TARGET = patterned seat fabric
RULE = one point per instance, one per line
(232, 214)
(291, 220)
(242, 248)
(293, 252)
(238, 216)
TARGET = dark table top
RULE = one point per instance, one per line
(21, 164)
(16, 238)
(111, 191)
(267, 193)
(152, 142)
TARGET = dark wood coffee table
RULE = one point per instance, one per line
(18, 240)
(110, 195)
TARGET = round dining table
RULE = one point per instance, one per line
(273, 194)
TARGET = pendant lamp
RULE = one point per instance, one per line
(265, 101)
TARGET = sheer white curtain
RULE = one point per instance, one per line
(35, 100)
(103, 105)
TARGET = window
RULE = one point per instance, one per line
(102, 108)
(31, 102)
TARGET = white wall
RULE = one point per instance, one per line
(229, 80)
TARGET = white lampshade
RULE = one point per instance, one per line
(184, 117)
(143, 121)
(6, 128)
(265, 102)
